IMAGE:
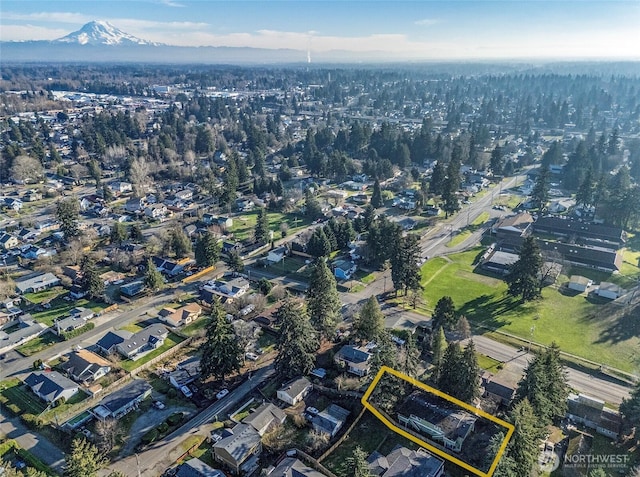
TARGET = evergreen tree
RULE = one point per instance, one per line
(405, 272)
(585, 193)
(67, 213)
(523, 275)
(91, 281)
(496, 163)
(222, 353)
(84, 460)
(469, 386)
(523, 448)
(438, 347)
(438, 177)
(376, 197)
(450, 370)
(312, 206)
(297, 343)
(540, 192)
(357, 465)
(410, 357)
(153, 279)
(234, 260)
(179, 242)
(118, 233)
(544, 386)
(135, 233)
(369, 323)
(385, 353)
(207, 250)
(444, 314)
(630, 410)
(261, 233)
(319, 245)
(323, 301)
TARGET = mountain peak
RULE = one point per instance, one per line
(100, 32)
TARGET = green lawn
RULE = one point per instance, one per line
(77, 398)
(245, 224)
(38, 344)
(60, 307)
(14, 393)
(195, 327)
(169, 343)
(487, 363)
(44, 295)
(579, 324)
(132, 327)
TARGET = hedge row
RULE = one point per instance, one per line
(67, 335)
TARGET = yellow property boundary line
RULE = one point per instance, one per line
(426, 445)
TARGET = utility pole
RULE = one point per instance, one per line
(138, 464)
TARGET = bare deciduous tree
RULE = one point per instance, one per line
(107, 431)
(139, 175)
(26, 169)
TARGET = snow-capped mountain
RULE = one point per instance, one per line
(102, 33)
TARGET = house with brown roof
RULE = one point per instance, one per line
(180, 316)
(592, 413)
(84, 367)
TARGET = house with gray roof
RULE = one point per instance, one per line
(51, 386)
(355, 360)
(196, 468)
(123, 401)
(331, 420)
(402, 462)
(37, 283)
(145, 340)
(265, 417)
(108, 343)
(292, 467)
(84, 367)
(294, 391)
(240, 449)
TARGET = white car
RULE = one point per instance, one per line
(159, 405)
(251, 356)
(186, 391)
(312, 410)
(222, 394)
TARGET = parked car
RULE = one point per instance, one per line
(251, 356)
(186, 391)
(159, 405)
(222, 394)
(312, 410)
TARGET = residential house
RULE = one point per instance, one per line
(264, 418)
(579, 283)
(12, 203)
(67, 324)
(609, 290)
(277, 254)
(32, 196)
(407, 223)
(145, 340)
(36, 283)
(27, 235)
(85, 367)
(180, 316)
(185, 373)
(8, 241)
(294, 391)
(51, 386)
(499, 262)
(88, 202)
(292, 467)
(244, 205)
(331, 420)
(133, 288)
(184, 195)
(502, 386)
(515, 225)
(123, 401)
(196, 468)
(111, 277)
(355, 360)
(239, 449)
(171, 267)
(32, 252)
(76, 292)
(155, 211)
(27, 330)
(234, 288)
(120, 187)
(402, 462)
(212, 219)
(47, 225)
(344, 269)
(109, 342)
(592, 413)
(135, 204)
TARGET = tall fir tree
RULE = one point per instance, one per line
(323, 301)
(469, 386)
(357, 465)
(630, 410)
(405, 272)
(261, 233)
(524, 445)
(221, 352)
(523, 277)
(376, 197)
(438, 347)
(68, 213)
(444, 314)
(153, 279)
(369, 322)
(91, 281)
(496, 163)
(298, 340)
(450, 371)
(84, 460)
(540, 192)
(207, 250)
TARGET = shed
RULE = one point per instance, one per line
(579, 283)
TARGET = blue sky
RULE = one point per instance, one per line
(418, 29)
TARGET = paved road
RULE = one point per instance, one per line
(162, 454)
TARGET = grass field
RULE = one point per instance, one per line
(487, 363)
(245, 224)
(38, 344)
(466, 232)
(45, 295)
(579, 324)
(169, 343)
(60, 307)
(13, 392)
(195, 327)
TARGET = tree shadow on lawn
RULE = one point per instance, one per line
(622, 329)
(486, 310)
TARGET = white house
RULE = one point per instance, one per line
(609, 290)
(294, 391)
(579, 283)
(155, 211)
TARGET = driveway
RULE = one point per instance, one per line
(147, 421)
(39, 446)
